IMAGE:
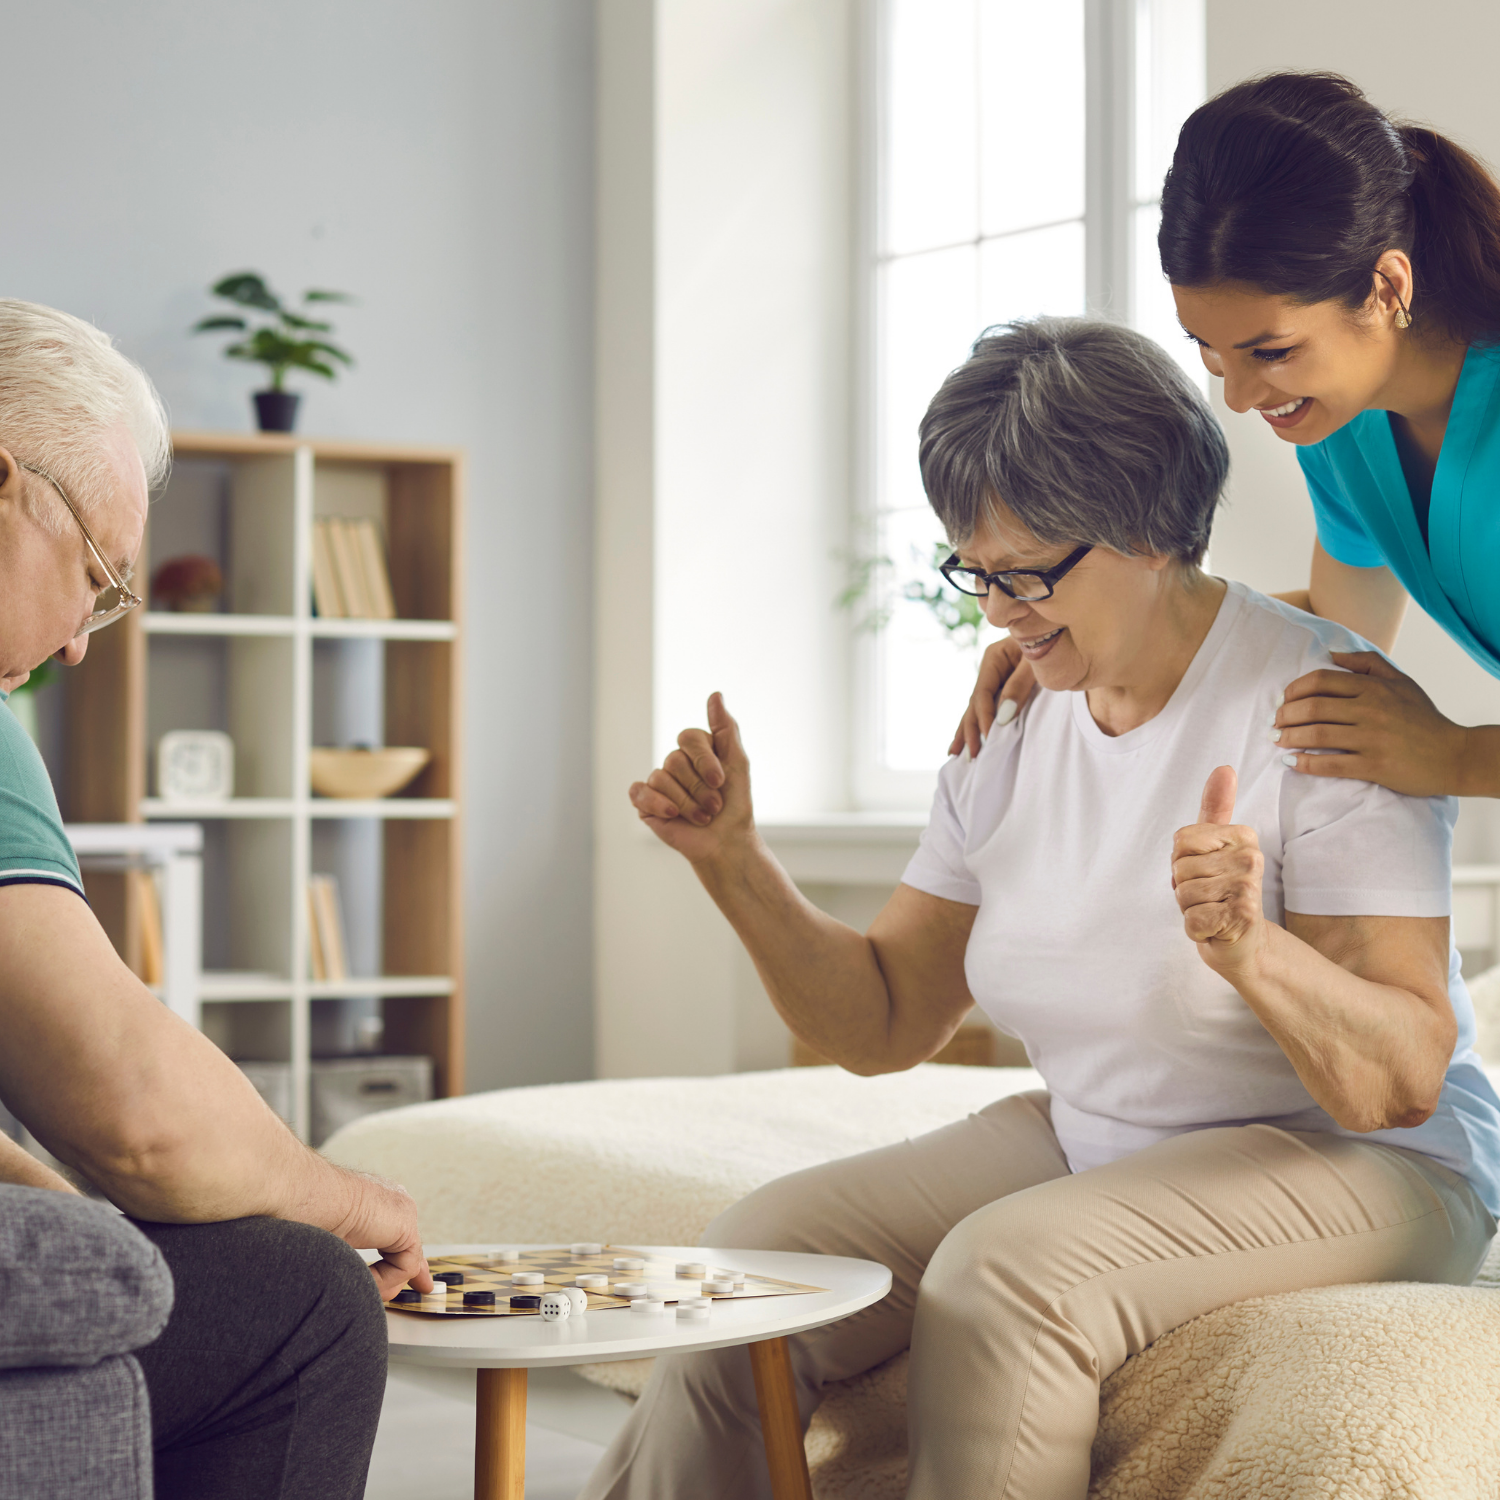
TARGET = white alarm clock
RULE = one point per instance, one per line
(194, 765)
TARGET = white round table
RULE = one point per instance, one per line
(502, 1349)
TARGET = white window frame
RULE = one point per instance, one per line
(1118, 57)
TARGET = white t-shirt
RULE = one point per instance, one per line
(1062, 836)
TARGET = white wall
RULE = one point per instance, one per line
(725, 178)
(1434, 64)
(435, 157)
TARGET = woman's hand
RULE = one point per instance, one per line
(1384, 723)
(1002, 672)
(1216, 875)
(698, 802)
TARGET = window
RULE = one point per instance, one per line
(1019, 147)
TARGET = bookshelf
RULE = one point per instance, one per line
(279, 680)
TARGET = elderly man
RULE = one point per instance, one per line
(268, 1379)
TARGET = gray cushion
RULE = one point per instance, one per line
(75, 1434)
(78, 1283)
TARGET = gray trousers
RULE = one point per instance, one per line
(268, 1379)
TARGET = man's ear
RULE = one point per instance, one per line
(10, 480)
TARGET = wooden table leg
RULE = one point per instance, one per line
(780, 1422)
(500, 1435)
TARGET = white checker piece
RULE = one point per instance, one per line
(650, 1279)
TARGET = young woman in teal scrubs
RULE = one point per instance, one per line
(1341, 274)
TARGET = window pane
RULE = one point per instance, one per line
(1031, 113)
(1040, 271)
(928, 185)
(1169, 82)
(929, 318)
(925, 674)
(1155, 312)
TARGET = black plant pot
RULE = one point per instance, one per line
(276, 411)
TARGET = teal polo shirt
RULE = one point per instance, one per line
(34, 849)
(1366, 518)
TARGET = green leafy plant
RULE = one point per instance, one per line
(961, 615)
(871, 598)
(40, 677)
(284, 340)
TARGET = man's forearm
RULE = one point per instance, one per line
(1370, 1054)
(821, 975)
(20, 1168)
(254, 1168)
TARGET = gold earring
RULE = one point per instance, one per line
(1403, 318)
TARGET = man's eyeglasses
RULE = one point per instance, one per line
(114, 600)
(1026, 584)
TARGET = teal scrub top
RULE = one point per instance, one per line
(34, 847)
(1366, 518)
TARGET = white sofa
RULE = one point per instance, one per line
(1363, 1390)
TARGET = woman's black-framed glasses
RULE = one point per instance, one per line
(1026, 584)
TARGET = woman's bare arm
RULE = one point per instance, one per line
(1369, 601)
(874, 1003)
(1359, 1005)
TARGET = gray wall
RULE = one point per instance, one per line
(435, 157)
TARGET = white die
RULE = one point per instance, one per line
(556, 1306)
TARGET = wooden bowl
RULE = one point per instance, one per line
(364, 773)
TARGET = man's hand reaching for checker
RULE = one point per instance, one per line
(1216, 875)
(698, 801)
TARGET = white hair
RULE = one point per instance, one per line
(64, 388)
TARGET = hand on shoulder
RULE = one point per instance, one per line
(1385, 727)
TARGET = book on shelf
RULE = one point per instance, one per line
(327, 955)
(350, 578)
(327, 597)
(377, 575)
(347, 567)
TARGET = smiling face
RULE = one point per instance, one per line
(1307, 368)
(1101, 626)
(48, 584)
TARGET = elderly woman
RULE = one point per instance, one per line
(268, 1377)
(1248, 1014)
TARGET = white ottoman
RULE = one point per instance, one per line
(643, 1159)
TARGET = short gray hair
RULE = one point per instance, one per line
(1088, 432)
(63, 388)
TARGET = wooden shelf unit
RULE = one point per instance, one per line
(279, 679)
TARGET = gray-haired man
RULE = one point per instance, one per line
(268, 1378)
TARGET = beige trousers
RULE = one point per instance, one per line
(1020, 1286)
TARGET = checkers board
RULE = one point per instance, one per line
(561, 1266)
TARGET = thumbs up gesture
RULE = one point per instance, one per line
(1216, 875)
(698, 800)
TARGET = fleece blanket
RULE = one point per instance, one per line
(1379, 1391)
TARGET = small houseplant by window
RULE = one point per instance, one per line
(281, 340)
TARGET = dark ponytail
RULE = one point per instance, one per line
(1297, 184)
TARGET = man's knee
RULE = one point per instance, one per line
(275, 1259)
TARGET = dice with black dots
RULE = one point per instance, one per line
(562, 1302)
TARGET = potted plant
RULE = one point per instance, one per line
(282, 341)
